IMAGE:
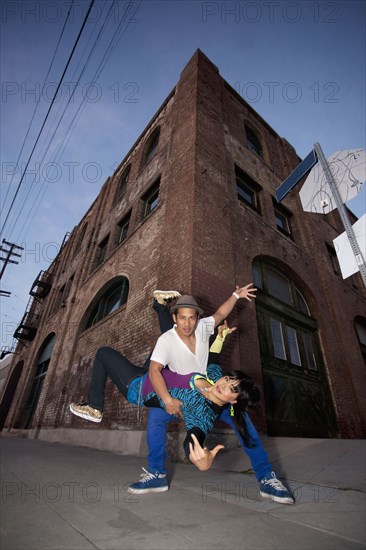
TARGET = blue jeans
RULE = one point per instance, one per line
(156, 440)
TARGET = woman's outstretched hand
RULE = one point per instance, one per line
(202, 457)
(223, 330)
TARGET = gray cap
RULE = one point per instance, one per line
(186, 301)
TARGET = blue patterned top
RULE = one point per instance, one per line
(198, 412)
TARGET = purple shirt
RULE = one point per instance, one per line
(172, 380)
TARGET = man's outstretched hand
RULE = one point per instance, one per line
(247, 292)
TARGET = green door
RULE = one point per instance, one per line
(296, 392)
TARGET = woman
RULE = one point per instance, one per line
(202, 397)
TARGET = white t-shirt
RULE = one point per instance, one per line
(172, 351)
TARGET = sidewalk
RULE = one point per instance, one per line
(58, 497)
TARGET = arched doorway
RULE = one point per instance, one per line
(296, 391)
(9, 393)
(40, 374)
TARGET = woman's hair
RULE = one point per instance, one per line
(249, 396)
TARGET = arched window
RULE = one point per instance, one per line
(248, 190)
(253, 142)
(150, 200)
(296, 390)
(80, 238)
(112, 297)
(360, 328)
(122, 229)
(151, 147)
(43, 361)
(122, 183)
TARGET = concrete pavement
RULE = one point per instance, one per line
(57, 497)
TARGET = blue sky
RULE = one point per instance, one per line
(300, 65)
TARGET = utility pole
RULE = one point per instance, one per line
(7, 259)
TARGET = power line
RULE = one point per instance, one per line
(37, 105)
(50, 143)
(48, 112)
(54, 133)
(109, 50)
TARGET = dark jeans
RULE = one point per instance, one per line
(109, 362)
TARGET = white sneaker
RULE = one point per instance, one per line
(86, 411)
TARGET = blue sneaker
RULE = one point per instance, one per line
(150, 483)
(273, 489)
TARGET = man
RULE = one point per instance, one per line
(184, 348)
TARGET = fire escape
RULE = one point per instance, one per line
(42, 285)
(28, 326)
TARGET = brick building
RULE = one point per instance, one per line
(192, 207)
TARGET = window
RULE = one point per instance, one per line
(122, 184)
(282, 218)
(257, 277)
(287, 326)
(60, 297)
(277, 340)
(333, 259)
(111, 299)
(122, 229)
(301, 303)
(246, 194)
(63, 294)
(293, 346)
(151, 147)
(150, 199)
(289, 323)
(309, 351)
(272, 281)
(247, 189)
(278, 285)
(81, 238)
(253, 142)
(360, 328)
(101, 252)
